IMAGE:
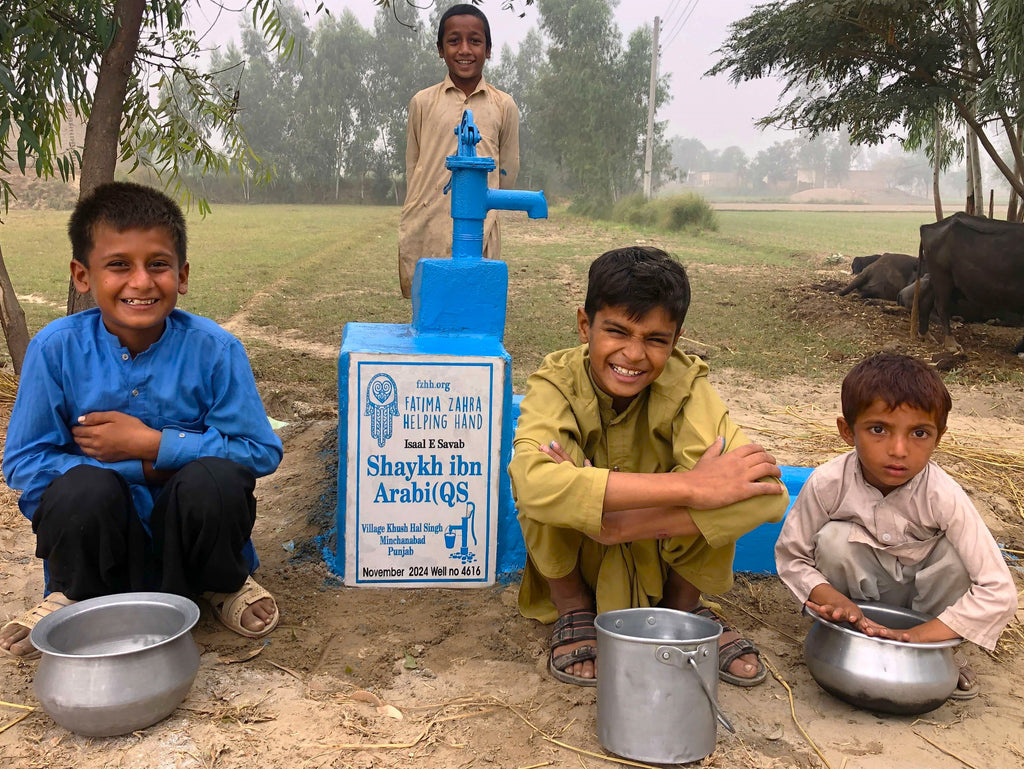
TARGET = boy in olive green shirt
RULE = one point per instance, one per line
(631, 481)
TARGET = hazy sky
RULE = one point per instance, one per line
(709, 109)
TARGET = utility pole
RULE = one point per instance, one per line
(649, 150)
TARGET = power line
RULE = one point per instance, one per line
(673, 5)
(684, 17)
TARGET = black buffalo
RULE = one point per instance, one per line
(861, 262)
(884, 277)
(967, 311)
(980, 260)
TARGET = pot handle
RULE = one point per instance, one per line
(670, 655)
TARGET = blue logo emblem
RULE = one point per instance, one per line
(381, 406)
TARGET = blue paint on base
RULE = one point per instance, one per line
(755, 550)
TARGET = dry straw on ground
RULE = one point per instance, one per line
(8, 386)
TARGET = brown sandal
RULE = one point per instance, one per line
(30, 618)
(229, 607)
(572, 627)
(730, 651)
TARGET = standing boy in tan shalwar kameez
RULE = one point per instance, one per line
(425, 231)
(631, 481)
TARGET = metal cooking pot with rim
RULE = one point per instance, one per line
(879, 674)
(115, 664)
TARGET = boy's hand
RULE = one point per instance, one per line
(557, 453)
(830, 604)
(719, 479)
(111, 436)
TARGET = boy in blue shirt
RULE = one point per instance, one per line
(138, 432)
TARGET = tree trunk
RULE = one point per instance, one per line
(937, 169)
(1014, 210)
(12, 318)
(979, 192)
(969, 200)
(103, 131)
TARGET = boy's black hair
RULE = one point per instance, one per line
(638, 278)
(463, 9)
(125, 206)
(897, 380)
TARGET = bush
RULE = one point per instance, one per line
(594, 209)
(634, 209)
(670, 213)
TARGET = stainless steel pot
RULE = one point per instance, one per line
(657, 685)
(115, 664)
(876, 673)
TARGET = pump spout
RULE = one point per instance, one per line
(533, 203)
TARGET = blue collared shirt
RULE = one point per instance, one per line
(194, 384)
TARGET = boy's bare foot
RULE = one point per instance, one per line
(250, 611)
(14, 640)
(573, 655)
(257, 616)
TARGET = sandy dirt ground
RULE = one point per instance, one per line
(456, 678)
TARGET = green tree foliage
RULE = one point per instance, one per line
(516, 73)
(590, 100)
(876, 65)
(101, 61)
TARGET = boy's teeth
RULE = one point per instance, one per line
(625, 371)
(139, 301)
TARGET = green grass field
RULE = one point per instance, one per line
(303, 272)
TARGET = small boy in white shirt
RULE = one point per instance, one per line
(885, 523)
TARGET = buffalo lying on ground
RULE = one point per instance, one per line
(861, 262)
(982, 260)
(883, 278)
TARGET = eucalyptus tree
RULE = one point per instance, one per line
(516, 73)
(877, 65)
(591, 100)
(102, 61)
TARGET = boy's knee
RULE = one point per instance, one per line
(82, 498)
(214, 475)
(832, 541)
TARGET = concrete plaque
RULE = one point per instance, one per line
(424, 440)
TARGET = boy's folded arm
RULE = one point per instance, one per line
(559, 494)
(235, 425)
(39, 445)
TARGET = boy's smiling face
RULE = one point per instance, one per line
(627, 354)
(135, 278)
(893, 445)
(464, 49)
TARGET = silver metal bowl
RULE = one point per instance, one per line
(876, 673)
(118, 663)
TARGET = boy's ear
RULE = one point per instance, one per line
(583, 325)
(845, 431)
(183, 279)
(80, 276)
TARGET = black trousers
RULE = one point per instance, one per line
(87, 529)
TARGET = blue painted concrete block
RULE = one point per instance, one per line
(459, 296)
(755, 551)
